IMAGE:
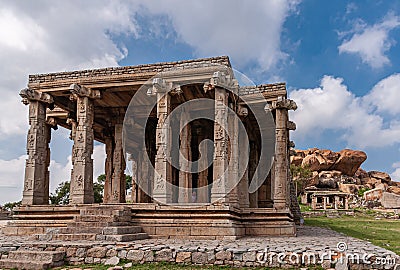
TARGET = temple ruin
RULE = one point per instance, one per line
(166, 201)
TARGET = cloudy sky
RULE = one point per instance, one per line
(341, 62)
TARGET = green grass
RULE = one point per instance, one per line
(383, 232)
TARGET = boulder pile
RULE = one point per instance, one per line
(342, 171)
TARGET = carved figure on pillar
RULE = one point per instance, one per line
(82, 163)
(36, 183)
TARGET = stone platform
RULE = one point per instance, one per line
(247, 251)
(187, 221)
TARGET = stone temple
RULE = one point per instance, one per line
(238, 185)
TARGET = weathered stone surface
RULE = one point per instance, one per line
(390, 200)
(394, 189)
(164, 255)
(183, 257)
(382, 176)
(249, 256)
(223, 255)
(349, 161)
(97, 252)
(199, 258)
(135, 255)
(148, 256)
(348, 188)
(112, 261)
(80, 252)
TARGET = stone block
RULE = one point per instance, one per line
(223, 256)
(122, 254)
(148, 256)
(249, 256)
(164, 255)
(112, 261)
(80, 252)
(135, 255)
(199, 258)
(97, 252)
(182, 257)
(172, 231)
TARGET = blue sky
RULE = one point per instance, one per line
(340, 59)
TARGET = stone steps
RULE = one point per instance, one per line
(126, 237)
(27, 259)
(122, 230)
(90, 218)
(102, 223)
(74, 237)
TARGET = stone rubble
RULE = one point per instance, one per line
(248, 251)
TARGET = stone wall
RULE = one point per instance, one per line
(390, 200)
(248, 90)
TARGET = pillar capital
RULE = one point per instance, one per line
(222, 80)
(82, 91)
(33, 95)
(283, 103)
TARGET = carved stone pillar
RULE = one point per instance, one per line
(220, 163)
(144, 168)
(36, 183)
(108, 170)
(243, 187)
(162, 191)
(281, 190)
(253, 197)
(118, 182)
(233, 166)
(185, 177)
(202, 193)
(134, 179)
(82, 163)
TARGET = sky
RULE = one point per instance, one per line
(340, 60)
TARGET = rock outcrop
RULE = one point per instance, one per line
(341, 171)
(346, 161)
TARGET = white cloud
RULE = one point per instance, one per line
(333, 107)
(371, 42)
(247, 31)
(385, 95)
(49, 36)
(396, 173)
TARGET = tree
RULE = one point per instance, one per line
(302, 177)
(61, 195)
(62, 192)
(10, 205)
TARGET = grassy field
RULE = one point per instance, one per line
(381, 232)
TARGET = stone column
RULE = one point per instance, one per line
(346, 203)
(233, 166)
(82, 163)
(36, 183)
(243, 188)
(220, 163)
(314, 202)
(108, 170)
(253, 197)
(143, 175)
(202, 183)
(134, 167)
(325, 201)
(163, 171)
(337, 200)
(281, 192)
(185, 177)
(118, 182)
